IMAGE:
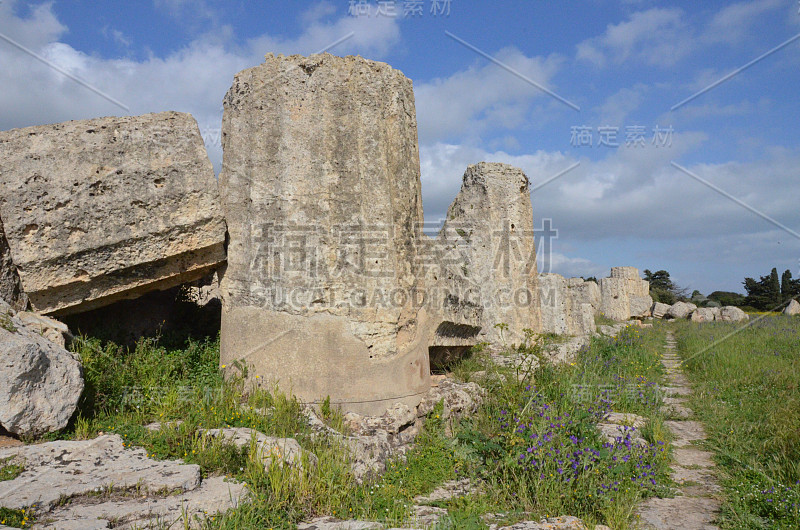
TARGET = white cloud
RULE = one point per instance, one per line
(483, 96)
(732, 23)
(621, 104)
(194, 79)
(658, 37)
(636, 195)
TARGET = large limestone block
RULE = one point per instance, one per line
(488, 241)
(732, 314)
(702, 314)
(321, 191)
(587, 292)
(640, 306)
(680, 310)
(619, 289)
(100, 210)
(564, 311)
(659, 310)
(40, 382)
(793, 308)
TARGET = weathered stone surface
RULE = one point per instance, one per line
(47, 327)
(691, 513)
(332, 523)
(732, 314)
(321, 190)
(563, 305)
(619, 289)
(187, 509)
(100, 210)
(702, 314)
(40, 381)
(490, 254)
(64, 469)
(10, 286)
(659, 310)
(586, 292)
(270, 450)
(378, 439)
(793, 308)
(447, 491)
(551, 523)
(457, 399)
(640, 306)
(680, 310)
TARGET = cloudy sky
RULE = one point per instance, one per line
(661, 135)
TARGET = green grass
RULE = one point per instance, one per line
(16, 518)
(167, 381)
(747, 392)
(9, 471)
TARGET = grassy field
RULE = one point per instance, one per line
(533, 444)
(747, 392)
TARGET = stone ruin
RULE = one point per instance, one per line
(329, 285)
(96, 211)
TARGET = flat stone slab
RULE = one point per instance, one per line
(688, 456)
(625, 418)
(676, 411)
(215, 495)
(685, 432)
(676, 390)
(63, 469)
(703, 478)
(448, 490)
(685, 513)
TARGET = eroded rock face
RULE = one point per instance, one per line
(624, 294)
(40, 381)
(100, 210)
(489, 247)
(10, 287)
(563, 306)
(321, 191)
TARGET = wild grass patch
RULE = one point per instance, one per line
(747, 392)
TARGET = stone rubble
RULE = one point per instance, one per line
(40, 381)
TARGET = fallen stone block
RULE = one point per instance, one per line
(40, 381)
(680, 310)
(732, 314)
(96, 211)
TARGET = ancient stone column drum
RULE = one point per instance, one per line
(321, 190)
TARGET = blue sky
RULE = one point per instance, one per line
(625, 64)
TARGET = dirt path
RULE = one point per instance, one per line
(695, 506)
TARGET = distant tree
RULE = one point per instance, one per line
(789, 288)
(590, 279)
(764, 294)
(662, 288)
(727, 298)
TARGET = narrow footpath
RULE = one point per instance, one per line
(695, 505)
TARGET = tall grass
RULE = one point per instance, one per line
(572, 471)
(747, 392)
